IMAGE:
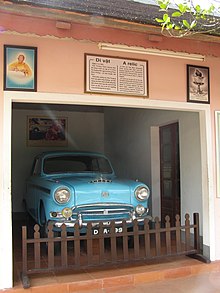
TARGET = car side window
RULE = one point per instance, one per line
(36, 167)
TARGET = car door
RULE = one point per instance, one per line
(170, 171)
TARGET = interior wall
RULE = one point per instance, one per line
(128, 142)
(85, 132)
(125, 136)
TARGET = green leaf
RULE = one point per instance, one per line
(193, 24)
(211, 9)
(166, 18)
(169, 26)
(176, 27)
(164, 4)
(186, 24)
(163, 7)
(182, 8)
(159, 20)
(198, 9)
(176, 14)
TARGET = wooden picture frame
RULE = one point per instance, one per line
(198, 84)
(20, 68)
(116, 76)
(44, 131)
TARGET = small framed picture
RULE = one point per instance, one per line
(198, 89)
(45, 131)
(20, 68)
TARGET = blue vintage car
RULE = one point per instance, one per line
(70, 187)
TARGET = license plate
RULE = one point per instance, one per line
(107, 230)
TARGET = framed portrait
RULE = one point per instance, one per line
(198, 88)
(217, 128)
(46, 131)
(20, 68)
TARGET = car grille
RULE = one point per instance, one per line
(100, 212)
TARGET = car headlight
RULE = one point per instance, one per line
(142, 193)
(67, 213)
(140, 210)
(62, 195)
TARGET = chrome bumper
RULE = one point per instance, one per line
(71, 224)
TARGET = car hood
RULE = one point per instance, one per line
(98, 189)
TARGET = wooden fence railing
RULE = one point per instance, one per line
(107, 245)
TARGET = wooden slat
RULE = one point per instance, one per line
(50, 246)
(147, 246)
(64, 260)
(136, 240)
(196, 232)
(113, 242)
(187, 232)
(89, 244)
(157, 235)
(168, 235)
(24, 249)
(125, 241)
(36, 247)
(77, 245)
(178, 237)
(101, 245)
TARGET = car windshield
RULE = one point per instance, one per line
(76, 164)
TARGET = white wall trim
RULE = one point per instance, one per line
(98, 100)
(155, 171)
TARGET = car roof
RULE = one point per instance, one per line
(70, 153)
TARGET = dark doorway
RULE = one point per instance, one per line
(169, 171)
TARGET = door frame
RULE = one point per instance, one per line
(6, 280)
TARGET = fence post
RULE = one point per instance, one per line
(101, 244)
(64, 260)
(24, 248)
(146, 237)
(89, 242)
(113, 242)
(125, 240)
(196, 232)
(24, 278)
(157, 232)
(197, 255)
(178, 237)
(136, 240)
(50, 246)
(77, 245)
(36, 247)
(168, 236)
(187, 232)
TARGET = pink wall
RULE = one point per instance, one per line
(61, 67)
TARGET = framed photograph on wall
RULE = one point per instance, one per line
(198, 88)
(217, 128)
(45, 131)
(20, 68)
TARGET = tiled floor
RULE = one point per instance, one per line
(181, 274)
